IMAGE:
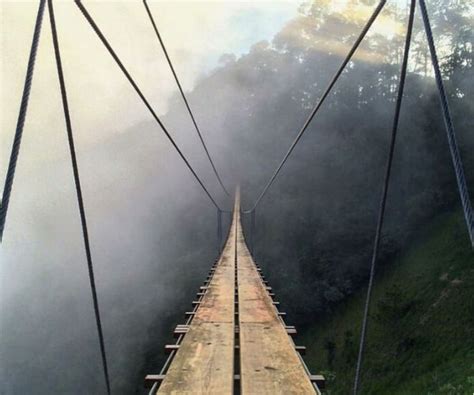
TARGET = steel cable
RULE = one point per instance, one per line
(383, 199)
(140, 94)
(7, 189)
(193, 119)
(453, 146)
(321, 101)
(80, 200)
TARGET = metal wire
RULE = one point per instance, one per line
(383, 199)
(453, 146)
(7, 189)
(163, 47)
(80, 200)
(321, 100)
(142, 97)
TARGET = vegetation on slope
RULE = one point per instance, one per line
(421, 330)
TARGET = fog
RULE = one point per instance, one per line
(151, 227)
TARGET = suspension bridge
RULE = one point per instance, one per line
(235, 336)
(235, 340)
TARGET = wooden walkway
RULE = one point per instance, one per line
(235, 341)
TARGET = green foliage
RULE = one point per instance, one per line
(349, 350)
(391, 310)
(421, 329)
(330, 347)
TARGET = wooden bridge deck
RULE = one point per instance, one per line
(236, 333)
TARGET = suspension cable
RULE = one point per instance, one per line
(383, 199)
(163, 47)
(142, 97)
(321, 101)
(80, 200)
(453, 146)
(7, 189)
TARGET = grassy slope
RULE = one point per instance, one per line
(421, 330)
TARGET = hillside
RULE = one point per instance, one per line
(421, 330)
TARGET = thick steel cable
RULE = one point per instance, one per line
(142, 97)
(383, 199)
(163, 47)
(80, 200)
(453, 146)
(7, 189)
(321, 101)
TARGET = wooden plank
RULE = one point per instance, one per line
(319, 380)
(204, 362)
(171, 347)
(269, 363)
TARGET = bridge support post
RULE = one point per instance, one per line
(219, 230)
